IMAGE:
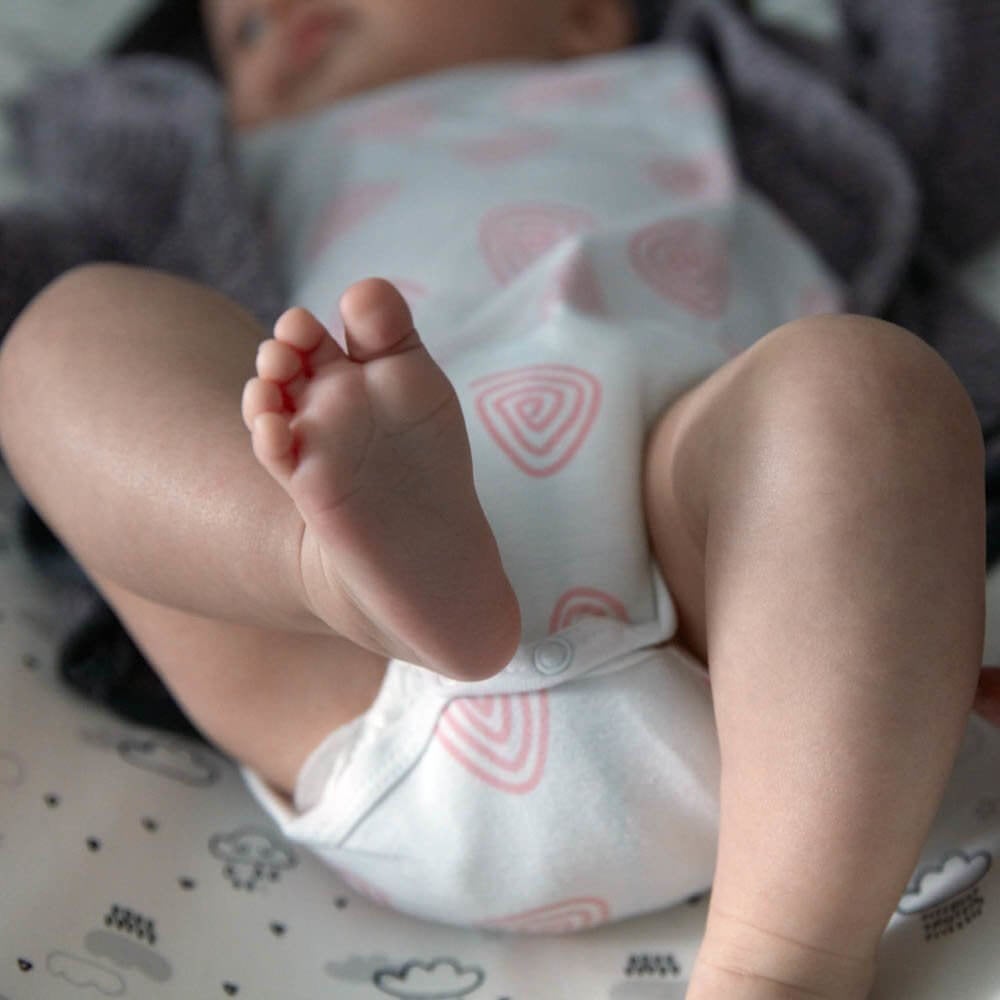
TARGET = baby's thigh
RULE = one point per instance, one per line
(679, 467)
(674, 518)
(797, 391)
(266, 697)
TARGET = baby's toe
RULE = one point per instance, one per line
(377, 319)
(278, 362)
(274, 443)
(260, 396)
(300, 329)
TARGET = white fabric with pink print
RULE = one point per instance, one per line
(577, 249)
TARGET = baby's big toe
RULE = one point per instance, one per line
(377, 319)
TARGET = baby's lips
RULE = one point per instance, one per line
(309, 35)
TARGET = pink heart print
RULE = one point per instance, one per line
(394, 118)
(501, 739)
(686, 262)
(548, 89)
(563, 917)
(581, 601)
(505, 147)
(575, 283)
(539, 415)
(708, 177)
(693, 96)
(513, 237)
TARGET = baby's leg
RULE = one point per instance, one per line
(818, 509)
(120, 417)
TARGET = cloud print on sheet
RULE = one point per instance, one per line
(127, 954)
(251, 855)
(85, 975)
(170, 759)
(958, 873)
(440, 979)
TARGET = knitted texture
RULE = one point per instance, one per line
(929, 72)
(132, 158)
(38, 242)
(825, 163)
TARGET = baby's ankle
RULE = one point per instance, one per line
(738, 961)
(711, 982)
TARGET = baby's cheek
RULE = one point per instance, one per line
(253, 98)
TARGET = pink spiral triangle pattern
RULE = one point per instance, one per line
(685, 262)
(513, 237)
(539, 415)
(582, 601)
(563, 917)
(502, 739)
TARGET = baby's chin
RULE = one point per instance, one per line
(307, 98)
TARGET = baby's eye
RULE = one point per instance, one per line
(250, 29)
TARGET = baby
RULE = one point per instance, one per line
(453, 614)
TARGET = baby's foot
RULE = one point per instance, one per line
(371, 446)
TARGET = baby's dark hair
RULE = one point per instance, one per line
(649, 16)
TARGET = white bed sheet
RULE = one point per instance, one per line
(134, 864)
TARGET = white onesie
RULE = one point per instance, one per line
(577, 249)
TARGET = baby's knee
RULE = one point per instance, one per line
(41, 346)
(863, 386)
(56, 311)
